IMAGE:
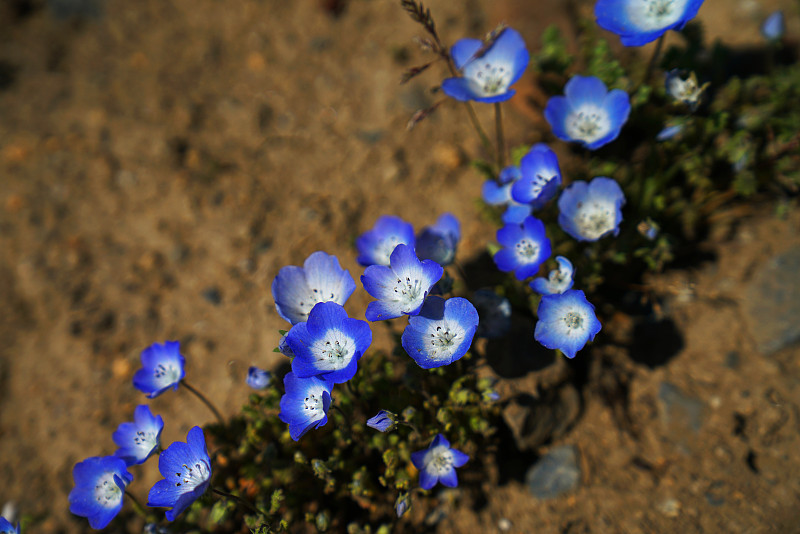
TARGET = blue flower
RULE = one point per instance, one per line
(499, 194)
(558, 281)
(383, 421)
(589, 113)
(439, 242)
(442, 332)
(487, 74)
(669, 132)
(774, 27)
(137, 441)
(258, 378)
(375, 246)
(566, 322)
(162, 368)
(541, 177)
(437, 463)
(297, 289)
(494, 313)
(305, 404)
(329, 344)
(525, 248)
(590, 211)
(639, 22)
(7, 528)
(400, 288)
(99, 485)
(186, 469)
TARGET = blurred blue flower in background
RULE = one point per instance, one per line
(774, 27)
(639, 22)
(258, 378)
(589, 113)
(375, 246)
(439, 242)
(498, 193)
(589, 211)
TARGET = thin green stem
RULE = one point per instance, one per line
(501, 142)
(137, 505)
(653, 59)
(247, 504)
(473, 117)
(204, 400)
(412, 426)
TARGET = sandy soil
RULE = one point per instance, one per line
(160, 162)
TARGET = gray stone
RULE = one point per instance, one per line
(681, 414)
(554, 474)
(772, 302)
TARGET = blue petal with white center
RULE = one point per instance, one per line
(438, 463)
(329, 344)
(541, 177)
(589, 113)
(99, 485)
(494, 314)
(558, 281)
(321, 279)
(442, 332)
(487, 74)
(439, 242)
(375, 246)
(499, 194)
(305, 404)
(138, 440)
(186, 469)
(589, 211)
(402, 287)
(7, 528)
(162, 368)
(525, 248)
(639, 22)
(258, 378)
(566, 322)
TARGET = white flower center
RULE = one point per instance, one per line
(651, 15)
(107, 493)
(439, 461)
(334, 351)
(315, 296)
(193, 475)
(594, 219)
(408, 291)
(486, 78)
(444, 340)
(527, 251)
(539, 183)
(588, 123)
(166, 374)
(572, 321)
(145, 441)
(313, 405)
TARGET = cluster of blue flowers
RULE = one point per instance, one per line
(101, 481)
(401, 272)
(588, 114)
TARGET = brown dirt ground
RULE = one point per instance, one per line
(168, 148)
